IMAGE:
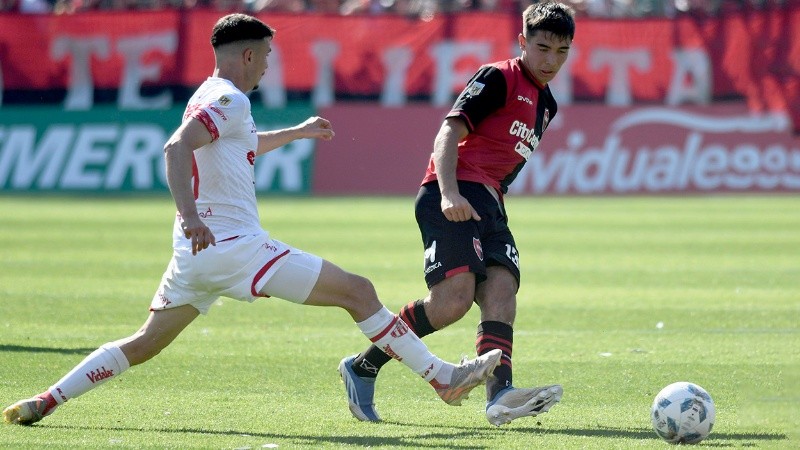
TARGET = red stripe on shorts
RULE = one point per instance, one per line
(261, 273)
(456, 271)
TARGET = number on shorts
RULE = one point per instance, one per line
(512, 254)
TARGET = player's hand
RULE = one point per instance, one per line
(317, 128)
(201, 236)
(456, 208)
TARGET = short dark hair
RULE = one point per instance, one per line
(239, 27)
(553, 17)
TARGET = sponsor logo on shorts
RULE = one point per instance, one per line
(99, 374)
(206, 213)
(430, 252)
(164, 300)
(432, 267)
(430, 259)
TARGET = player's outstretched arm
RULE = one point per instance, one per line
(312, 128)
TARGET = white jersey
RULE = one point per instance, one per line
(223, 171)
(246, 264)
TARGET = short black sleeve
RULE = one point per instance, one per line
(484, 94)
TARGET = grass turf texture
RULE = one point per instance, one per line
(721, 274)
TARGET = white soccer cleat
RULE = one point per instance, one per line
(26, 412)
(512, 403)
(468, 375)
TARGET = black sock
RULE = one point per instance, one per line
(368, 363)
(492, 335)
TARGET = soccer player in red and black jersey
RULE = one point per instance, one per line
(494, 126)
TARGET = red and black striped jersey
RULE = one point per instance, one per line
(506, 111)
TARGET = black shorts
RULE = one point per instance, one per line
(471, 246)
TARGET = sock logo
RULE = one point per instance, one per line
(400, 329)
(427, 371)
(99, 374)
(61, 394)
(388, 350)
(368, 366)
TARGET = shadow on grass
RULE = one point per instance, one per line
(29, 349)
(423, 439)
(646, 433)
(715, 440)
(311, 441)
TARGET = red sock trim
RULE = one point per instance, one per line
(49, 401)
(378, 336)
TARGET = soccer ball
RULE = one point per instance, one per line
(683, 413)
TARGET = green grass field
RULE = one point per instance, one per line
(722, 274)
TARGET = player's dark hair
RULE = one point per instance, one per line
(239, 27)
(552, 17)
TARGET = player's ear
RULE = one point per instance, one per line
(521, 40)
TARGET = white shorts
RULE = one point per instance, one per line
(244, 268)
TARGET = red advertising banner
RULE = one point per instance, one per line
(307, 49)
(657, 150)
(99, 49)
(586, 150)
(748, 54)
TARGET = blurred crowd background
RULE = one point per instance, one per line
(416, 9)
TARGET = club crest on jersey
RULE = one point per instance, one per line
(545, 119)
(224, 100)
(478, 249)
(475, 88)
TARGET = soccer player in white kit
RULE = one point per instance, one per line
(220, 248)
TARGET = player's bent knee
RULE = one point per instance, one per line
(360, 293)
(363, 287)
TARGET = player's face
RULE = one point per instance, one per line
(544, 54)
(258, 63)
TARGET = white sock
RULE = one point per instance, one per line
(105, 363)
(389, 333)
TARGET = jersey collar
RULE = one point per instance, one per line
(527, 73)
